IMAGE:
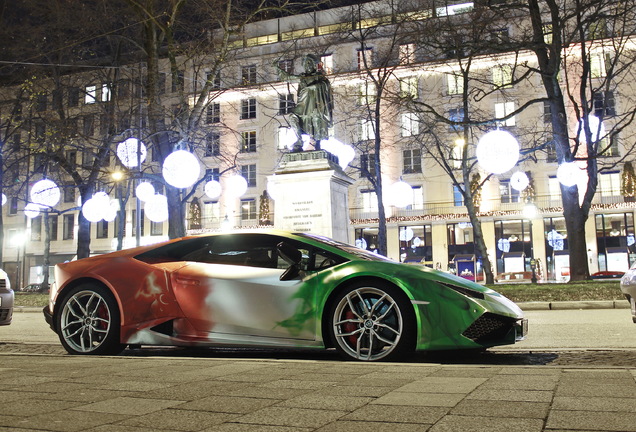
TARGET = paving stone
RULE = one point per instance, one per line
(502, 409)
(362, 426)
(453, 423)
(296, 417)
(592, 420)
(244, 427)
(511, 395)
(420, 399)
(397, 414)
(521, 382)
(443, 385)
(129, 405)
(612, 404)
(178, 420)
(226, 404)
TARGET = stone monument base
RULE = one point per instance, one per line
(311, 194)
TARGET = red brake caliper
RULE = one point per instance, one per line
(350, 327)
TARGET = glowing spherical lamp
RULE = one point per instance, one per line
(127, 152)
(597, 129)
(45, 192)
(111, 211)
(32, 210)
(92, 210)
(400, 194)
(145, 191)
(156, 208)
(181, 169)
(273, 190)
(236, 185)
(519, 181)
(568, 173)
(213, 189)
(497, 151)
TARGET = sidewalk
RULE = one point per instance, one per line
(68, 393)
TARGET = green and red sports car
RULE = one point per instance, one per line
(272, 289)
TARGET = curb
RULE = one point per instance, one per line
(574, 305)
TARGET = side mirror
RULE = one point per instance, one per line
(292, 256)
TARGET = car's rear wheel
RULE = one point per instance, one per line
(88, 321)
(373, 321)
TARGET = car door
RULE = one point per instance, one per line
(236, 291)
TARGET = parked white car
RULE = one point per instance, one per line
(6, 299)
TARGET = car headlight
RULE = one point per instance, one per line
(463, 290)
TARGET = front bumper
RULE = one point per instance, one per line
(6, 307)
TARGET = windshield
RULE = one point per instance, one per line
(351, 250)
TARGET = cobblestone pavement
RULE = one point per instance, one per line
(581, 357)
(216, 390)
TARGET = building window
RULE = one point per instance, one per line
(407, 53)
(610, 183)
(69, 193)
(608, 146)
(455, 84)
(551, 155)
(212, 174)
(212, 144)
(504, 109)
(507, 193)
(367, 93)
(500, 36)
(248, 209)
(134, 223)
(409, 124)
(412, 159)
(456, 117)
(68, 227)
(248, 109)
(41, 103)
(156, 228)
(215, 79)
(547, 33)
(249, 173)
(248, 142)
(598, 65)
(213, 113)
(367, 130)
(102, 229)
(286, 103)
(547, 112)
(418, 199)
(73, 97)
(105, 95)
(502, 76)
(39, 129)
(178, 82)
(13, 208)
(287, 66)
(554, 188)
(408, 87)
(458, 196)
(248, 75)
(36, 228)
(286, 138)
(327, 63)
(91, 94)
(88, 125)
(365, 58)
(369, 200)
(53, 225)
(604, 104)
(367, 164)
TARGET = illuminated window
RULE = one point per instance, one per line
(610, 183)
(213, 113)
(249, 173)
(458, 197)
(410, 124)
(598, 65)
(367, 93)
(286, 103)
(507, 193)
(369, 200)
(408, 87)
(455, 84)
(212, 144)
(504, 109)
(248, 75)
(248, 209)
(327, 63)
(91, 94)
(248, 142)
(105, 96)
(547, 33)
(502, 76)
(366, 130)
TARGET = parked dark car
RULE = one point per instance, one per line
(6, 299)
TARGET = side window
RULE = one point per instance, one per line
(324, 260)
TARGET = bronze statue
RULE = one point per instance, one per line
(313, 113)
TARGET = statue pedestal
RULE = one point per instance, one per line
(310, 192)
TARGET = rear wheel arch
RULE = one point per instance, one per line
(61, 295)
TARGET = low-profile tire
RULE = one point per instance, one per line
(88, 321)
(372, 321)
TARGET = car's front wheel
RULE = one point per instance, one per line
(88, 321)
(373, 321)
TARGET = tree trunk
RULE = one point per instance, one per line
(46, 255)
